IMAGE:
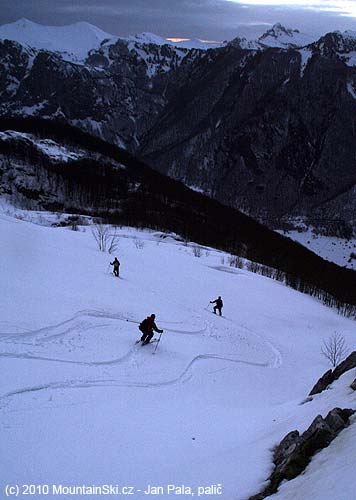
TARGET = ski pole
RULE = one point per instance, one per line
(108, 269)
(160, 335)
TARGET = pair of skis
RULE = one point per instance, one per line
(156, 341)
(150, 342)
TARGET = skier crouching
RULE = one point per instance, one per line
(218, 304)
(147, 327)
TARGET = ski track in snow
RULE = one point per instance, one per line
(46, 335)
(44, 331)
(278, 356)
(87, 384)
(276, 352)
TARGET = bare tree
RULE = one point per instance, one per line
(197, 251)
(106, 241)
(113, 243)
(139, 244)
(334, 349)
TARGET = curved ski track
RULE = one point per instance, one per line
(184, 376)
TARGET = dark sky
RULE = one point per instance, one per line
(207, 19)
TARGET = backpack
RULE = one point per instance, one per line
(143, 325)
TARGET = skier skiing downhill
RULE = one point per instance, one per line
(116, 265)
(147, 327)
(218, 304)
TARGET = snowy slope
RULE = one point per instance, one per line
(47, 146)
(338, 250)
(74, 39)
(147, 38)
(82, 404)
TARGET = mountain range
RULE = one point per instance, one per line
(266, 126)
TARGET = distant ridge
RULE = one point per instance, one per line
(76, 39)
(80, 38)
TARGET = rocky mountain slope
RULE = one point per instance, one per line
(266, 126)
(110, 94)
(270, 132)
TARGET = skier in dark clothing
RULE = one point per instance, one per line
(147, 327)
(116, 265)
(218, 304)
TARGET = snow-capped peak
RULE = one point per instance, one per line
(76, 39)
(278, 30)
(276, 36)
(279, 36)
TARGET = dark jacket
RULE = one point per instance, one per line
(151, 325)
(148, 325)
(218, 302)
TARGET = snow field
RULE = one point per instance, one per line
(81, 403)
(338, 250)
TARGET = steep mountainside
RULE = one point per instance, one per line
(266, 126)
(271, 132)
(114, 91)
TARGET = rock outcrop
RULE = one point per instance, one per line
(295, 451)
(330, 376)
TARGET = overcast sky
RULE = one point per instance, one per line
(207, 19)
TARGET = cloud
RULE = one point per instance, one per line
(342, 7)
(186, 18)
(205, 19)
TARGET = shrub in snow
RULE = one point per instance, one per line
(236, 261)
(253, 267)
(139, 244)
(197, 251)
(352, 256)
